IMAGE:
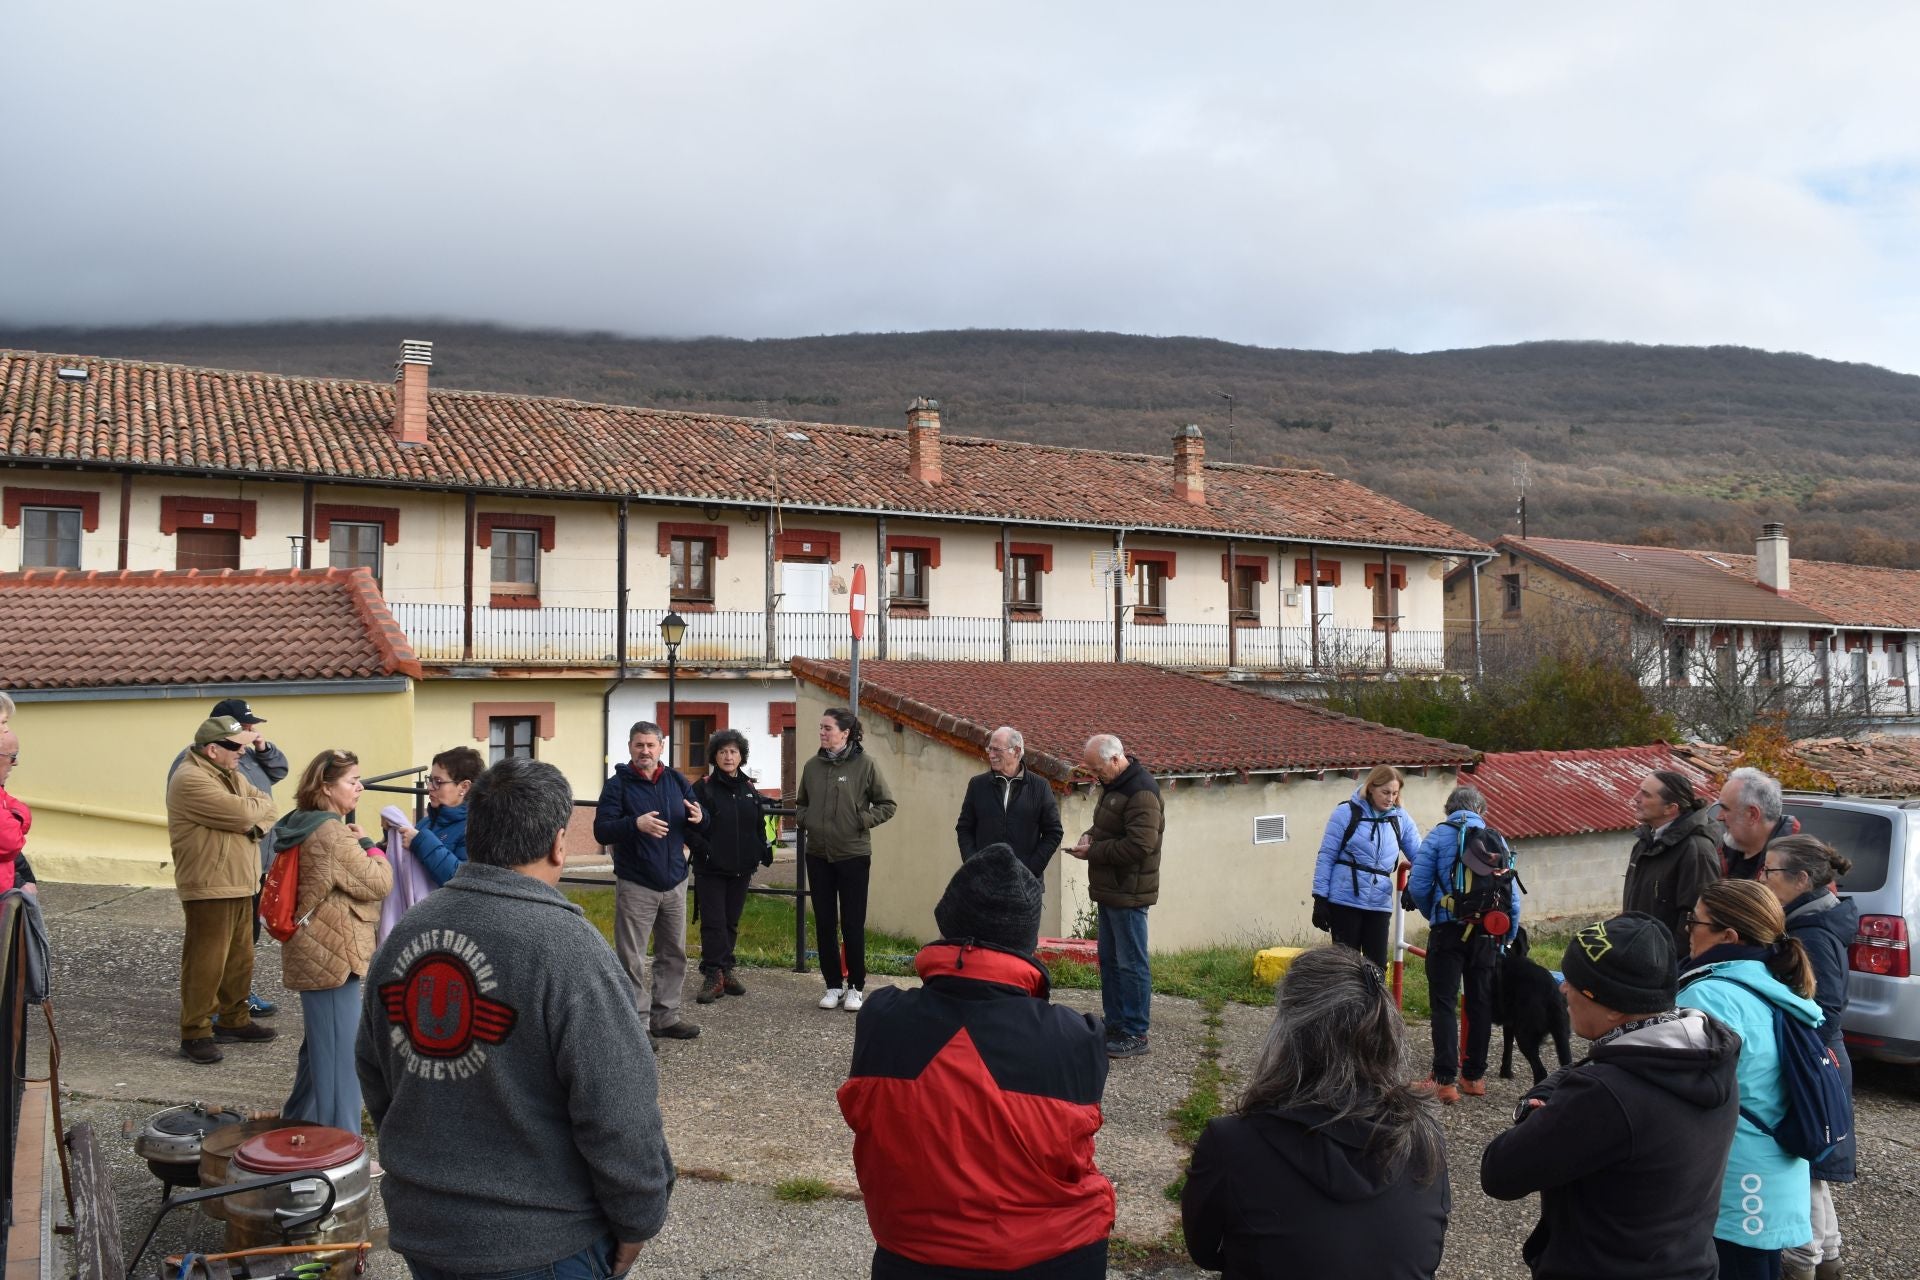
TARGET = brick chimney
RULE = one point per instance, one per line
(1770, 559)
(1190, 465)
(923, 440)
(410, 395)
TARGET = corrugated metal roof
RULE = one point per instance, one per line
(1531, 794)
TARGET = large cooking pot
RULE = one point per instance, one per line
(172, 1140)
(216, 1153)
(259, 1217)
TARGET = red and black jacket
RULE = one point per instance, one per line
(974, 1103)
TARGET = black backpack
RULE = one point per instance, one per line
(1480, 885)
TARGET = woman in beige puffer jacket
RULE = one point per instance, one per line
(344, 877)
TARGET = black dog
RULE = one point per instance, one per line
(1529, 1007)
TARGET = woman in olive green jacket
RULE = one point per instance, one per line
(841, 798)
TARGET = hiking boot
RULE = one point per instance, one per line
(712, 989)
(1829, 1270)
(1795, 1271)
(1473, 1088)
(1445, 1093)
(201, 1051)
(681, 1030)
(252, 1031)
(732, 985)
(1128, 1047)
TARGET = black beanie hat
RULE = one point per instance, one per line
(992, 898)
(1624, 964)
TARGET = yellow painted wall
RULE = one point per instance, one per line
(95, 772)
(443, 718)
(1216, 886)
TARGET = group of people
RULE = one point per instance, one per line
(1658, 1153)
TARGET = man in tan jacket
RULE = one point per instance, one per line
(215, 818)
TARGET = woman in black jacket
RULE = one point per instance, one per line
(1801, 871)
(726, 849)
(1333, 1165)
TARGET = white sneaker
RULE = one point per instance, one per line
(853, 1001)
(832, 999)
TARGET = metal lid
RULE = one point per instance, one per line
(192, 1121)
(305, 1146)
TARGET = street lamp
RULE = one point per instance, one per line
(673, 629)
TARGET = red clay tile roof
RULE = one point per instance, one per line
(1881, 764)
(1670, 583)
(1172, 722)
(1852, 595)
(1564, 793)
(68, 630)
(131, 413)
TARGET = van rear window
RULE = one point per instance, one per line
(1867, 838)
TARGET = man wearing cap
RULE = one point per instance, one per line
(1626, 1147)
(215, 819)
(974, 1101)
(263, 764)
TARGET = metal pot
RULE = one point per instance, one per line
(171, 1142)
(257, 1218)
(216, 1152)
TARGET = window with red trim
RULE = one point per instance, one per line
(693, 724)
(1246, 592)
(691, 570)
(1024, 582)
(54, 520)
(1386, 588)
(1149, 589)
(907, 576)
(1303, 572)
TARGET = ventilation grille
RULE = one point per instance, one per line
(1270, 828)
(414, 351)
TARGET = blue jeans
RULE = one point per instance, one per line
(1126, 977)
(595, 1262)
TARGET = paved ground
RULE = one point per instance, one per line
(750, 1104)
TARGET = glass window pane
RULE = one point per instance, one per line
(355, 546)
(50, 538)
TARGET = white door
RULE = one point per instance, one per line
(805, 587)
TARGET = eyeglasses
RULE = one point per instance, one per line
(1692, 923)
(438, 782)
(1777, 871)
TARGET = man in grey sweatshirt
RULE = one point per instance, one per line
(506, 1070)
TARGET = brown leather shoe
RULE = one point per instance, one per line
(712, 989)
(1474, 1088)
(201, 1051)
(251, 1031)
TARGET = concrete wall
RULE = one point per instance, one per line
(95, 772)
(1574, 877)
(1217, 886)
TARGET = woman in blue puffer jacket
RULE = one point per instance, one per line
(1742, 966)
(1366, 840)
(441, 841)
(1803, 874)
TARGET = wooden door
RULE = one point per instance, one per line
(207, 549)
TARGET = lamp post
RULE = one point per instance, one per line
(673, 629)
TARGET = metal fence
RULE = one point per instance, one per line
(562, 635)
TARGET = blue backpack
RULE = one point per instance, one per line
(1819, 1108)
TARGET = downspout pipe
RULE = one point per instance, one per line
(619, 643)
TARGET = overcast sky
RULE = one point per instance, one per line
(1358, 176)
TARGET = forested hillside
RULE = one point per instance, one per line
(1680, 445)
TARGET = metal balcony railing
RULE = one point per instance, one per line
(563, 636)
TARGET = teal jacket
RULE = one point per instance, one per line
(1764, 1195)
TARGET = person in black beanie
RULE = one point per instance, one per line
(1627, 1146)
(979, 1048)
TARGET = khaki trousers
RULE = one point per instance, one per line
(640, 913)
(216, 965)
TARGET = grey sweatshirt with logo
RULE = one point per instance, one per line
(510, 1079)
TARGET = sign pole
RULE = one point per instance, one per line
(857, 620)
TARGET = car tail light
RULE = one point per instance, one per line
(1880, 947)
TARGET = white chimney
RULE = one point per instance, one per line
(1770, 559)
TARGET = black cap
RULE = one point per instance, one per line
(238, 709)
(1624, 964)
(992, 898)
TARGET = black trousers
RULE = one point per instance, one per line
(1363, 931)
(1451, 959)
(720, 900)
(839, 893)
(1737, 1262)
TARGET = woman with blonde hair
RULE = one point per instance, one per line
(343, 878)
(1367, 838)
(1741, 967)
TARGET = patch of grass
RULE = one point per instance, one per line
(801, 1190)
(1219, 974)
(766, 934)
(1204, 1092)
(1170, 1248)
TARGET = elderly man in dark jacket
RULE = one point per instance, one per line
(1122, 852)
(1752, 817)
(1675, 856)
(1627, 1147)
(1007, 805)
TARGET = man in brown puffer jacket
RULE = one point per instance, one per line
(1122, 853)
(215, 819)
